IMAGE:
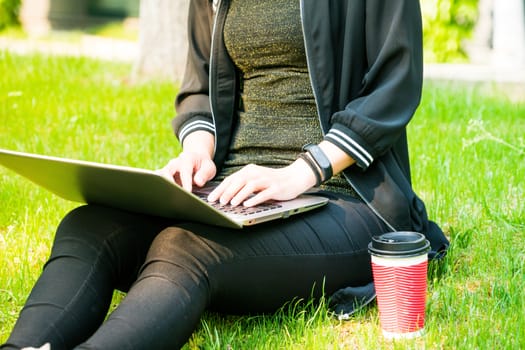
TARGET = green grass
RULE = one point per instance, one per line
(467, 146)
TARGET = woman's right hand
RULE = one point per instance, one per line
(190, 169)
(194, 165)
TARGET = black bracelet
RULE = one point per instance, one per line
(321, 161)
(312, 166)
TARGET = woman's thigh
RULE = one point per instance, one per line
(113, 240)
(262, 267)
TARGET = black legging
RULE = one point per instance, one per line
(173, 272)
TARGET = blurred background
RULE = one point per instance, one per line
(463, 39)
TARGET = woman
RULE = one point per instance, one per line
(263, 78)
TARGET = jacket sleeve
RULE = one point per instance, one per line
(192, 102)
(391, 87)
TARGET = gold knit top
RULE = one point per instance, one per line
(278, 115)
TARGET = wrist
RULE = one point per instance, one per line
(200, 142)
(302, 172)
(318, 161)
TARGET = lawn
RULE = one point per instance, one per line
(467, 146)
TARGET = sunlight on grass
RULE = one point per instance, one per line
(467, 158)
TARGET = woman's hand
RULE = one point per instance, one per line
(255, 184)
(190, 168)
(194, 165)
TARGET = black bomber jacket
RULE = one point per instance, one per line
(366, 68)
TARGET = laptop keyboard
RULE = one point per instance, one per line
(240, 210)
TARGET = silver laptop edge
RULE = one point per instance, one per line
(91, 182)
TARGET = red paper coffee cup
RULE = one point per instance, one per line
(399, 267)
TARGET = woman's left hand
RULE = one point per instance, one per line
(255, 184)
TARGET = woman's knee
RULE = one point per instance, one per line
(95, 224)
(107, 237)
(177, 253)
(88, 230)
(85, 227)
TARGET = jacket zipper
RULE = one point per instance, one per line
(314, 91)
(216, 7)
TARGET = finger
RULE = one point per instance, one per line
(226, 190)
(169, 170)
(214, 195)
(230, 191)
(186, 176)
(258, 198)
(177, 169)
(232, 184)
(164, 172)
(205, 173)
(244, 193)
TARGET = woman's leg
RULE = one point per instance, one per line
(194, 266)
(96, 250)
(312, 255)
(163, 307)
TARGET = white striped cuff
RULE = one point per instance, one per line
(195, 125)
(350, 146)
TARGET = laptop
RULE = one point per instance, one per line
(143, 191)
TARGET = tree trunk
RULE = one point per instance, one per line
(162, 39)
(509, 33)
(480, 47)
